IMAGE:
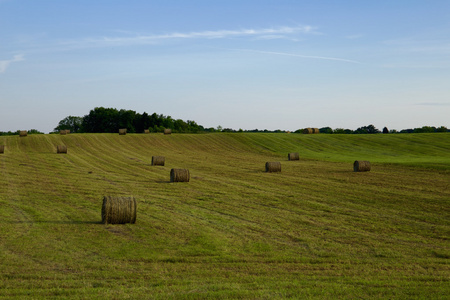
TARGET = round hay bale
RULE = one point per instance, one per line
(158, 160)
(2, 149)
(123, 131)
(361, 166)
(293, 156)
(307, 130)
(23, 133)
(146, 131)
(315, 130)
(118, 210)
(67, 131)
(167, 131)
(61, 149)
(179, 175)
(63, 132)
(274, 166)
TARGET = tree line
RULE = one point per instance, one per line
(110, 120)
(17, 132)
(369, 129)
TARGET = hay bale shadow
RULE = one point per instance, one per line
(73, 222)
(162, 181)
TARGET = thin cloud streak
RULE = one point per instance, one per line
(354, 36)
(300, 55)
(5, 63)
(210, 34)
(434, 104)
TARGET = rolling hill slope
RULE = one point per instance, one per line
(317, 229)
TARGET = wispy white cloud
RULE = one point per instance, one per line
(278, 37)
(279, 32)
(299, 55)
(423, 45)
(434, 104)
(5, 63)
(354, 36)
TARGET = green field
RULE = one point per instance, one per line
(315, 230)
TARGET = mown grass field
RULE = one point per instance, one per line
(315, 230)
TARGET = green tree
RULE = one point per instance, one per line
(126, 120)
(326, 130)
(72, 123)
(194, 127)
(168, 122)
(425, 129)
(101, 119)
(339, 131)
(142, 122)
(367, 129)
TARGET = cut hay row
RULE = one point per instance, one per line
(358, 166)
(118, 210)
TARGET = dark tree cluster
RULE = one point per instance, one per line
(425, 129)
(371, 129)
(31, 131)
(110, 120)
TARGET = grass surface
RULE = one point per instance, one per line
(315, 230)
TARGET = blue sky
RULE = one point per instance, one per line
(262, 64)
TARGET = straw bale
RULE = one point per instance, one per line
(63, 132)
(118, 210)
(315, 130)
(361, 166)
(179, 175)
(158, 160)
(123, 131)
(274, 166)
(307, 130)
(146, 131)
(293, 156)
(61, 149)
(23, 133)
(167, 131)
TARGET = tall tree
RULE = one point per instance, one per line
(101, 119)
(72, 123)
(367, 129)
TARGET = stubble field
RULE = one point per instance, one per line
(315, 230)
